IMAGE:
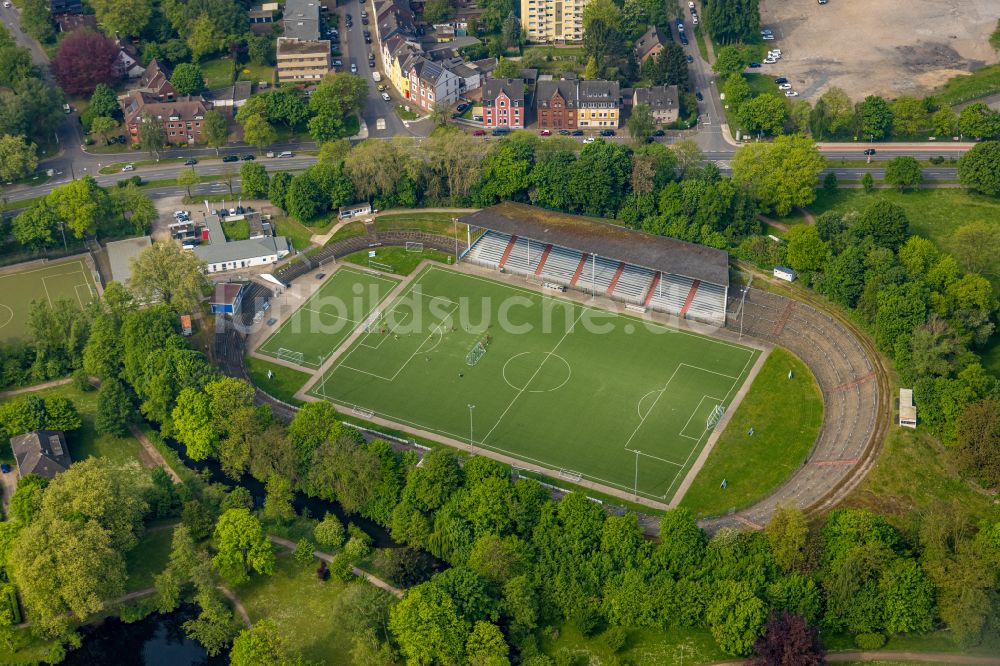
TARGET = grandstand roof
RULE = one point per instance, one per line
(593, 236)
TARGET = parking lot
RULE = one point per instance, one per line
(889, 47)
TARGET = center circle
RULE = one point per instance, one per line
(6, 315)
(536, 372)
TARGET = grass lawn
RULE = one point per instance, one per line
(85, 442)
(284, 383)
(236, 230)
(433, 223)
(295, 231)
(936, 641)
(914, 472)
(562, 385)
(406, 114)
(349, 230)
(644, 647)
(148, 559)
(330, 315)
(402, 261)
(299, 603)
(256, 73)
(933, 213)
(699, 38)
(965, 87)
(785, 414)
(116, 167)
(762, 84)
(217, 72)
(26, 649)
(70, 280)
(351, 126)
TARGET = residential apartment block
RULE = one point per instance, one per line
(650, 44)
(430, 84)
(503, 103)
(599, 103)
(663, 101)
(180, 118)
(556, 103)
(302, 60)
(552, 20)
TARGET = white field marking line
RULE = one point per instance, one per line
(76, 289)
(263, 347)
(329, 314)
(651, 407)
(546, 297)
(638, 405)
(366, 274)
(520, 456)
(725, 401)
(78, 262)
(721, 374)
(363, 340)
(697, 407)
(569, 329)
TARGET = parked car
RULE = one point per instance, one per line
(479, 132)
(121, 138)
(576, 133)
(545, 132)
(501, 131)
(607, 132)
(698, 96)
(694, 18)
(462, 106)
(784, 86)
(754, 65)
(190, 162)
(589, 139)
(768, 38)
(690, 5)
(248, 157)
(781, 80)
(364, 21)
(684, 39)
(376, 77)
(766, 31)
(659, 133)
(564, 132)
(338, 63)
(791, 93)
(354, 68)
(690, 58)
(386, 97)
(286, 153)
(368, 39)
(230, 158)
(822, 2)
(381, 87)
(869, 151)
(128, 167)
(769, 61)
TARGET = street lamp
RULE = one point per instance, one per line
(471, 407)
(635, 487)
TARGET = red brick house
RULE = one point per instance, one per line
(181, 118)
(556, 102)
(503, 103)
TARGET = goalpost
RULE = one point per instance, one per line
(715, 417)
(290, 355)
(376, 265)
(414, 246)
(373, 319)
(570, 475)
(478, 350)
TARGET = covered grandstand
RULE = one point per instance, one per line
(664, 274)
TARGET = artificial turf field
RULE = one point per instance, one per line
(327, 317)
(66, 280)
(618, 400)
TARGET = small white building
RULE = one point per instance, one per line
(784, 273)
(907, 411)
(242, 254)
(357, 210)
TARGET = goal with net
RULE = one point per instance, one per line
(713, 419)
(379, 266)
(414, 246)
(291, 355)
(373, 319)
(478, 350)
(570, 475)
(362, 412)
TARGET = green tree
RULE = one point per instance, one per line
(329, 532)
(904, 172)
(277, 190)
(127, 18)
(977, 440)
(204, 37)
(339, 95)
(806, 250)
(187, 178)
(258, 132)
(152, 136)
(909, 116)
(193, 425)
(979, 121)
(242, 545)
(215, 130)
(975, 246)
(979, 168)
(763, 114)
(944, 122)
(187, 79)
(134, 206)
(164, 272)
(114, 408)
(867, 182)
(263, 643)
(103, 102)
(427, 626)
(781, 174)
(787, 532)
(736, 617)
(305, 200)
(254, 180)
(102, 126)
(278, 499)
(486, 646)
(732, 59)
(35, 228)
(641, 124)
(737, 90)
(876, 118)
(885, 222)
(27, 499)
(82, 204)
(17, 158)
(833, 114)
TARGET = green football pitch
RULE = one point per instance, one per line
(584, 392)
(318, 326)
(66, 280)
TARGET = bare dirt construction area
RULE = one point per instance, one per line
(878, 47)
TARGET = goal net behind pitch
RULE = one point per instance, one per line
(414, 247)
(715, 417)
(570, 475)
(379, 266)
(478, 350)
(373, 319)
(290, 355)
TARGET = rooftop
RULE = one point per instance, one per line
(239, 250)
(226, 293)
(121, 253)
(301, 19)
(292, 46)
(41, 452)
(594, 236)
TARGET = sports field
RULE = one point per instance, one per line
(613, 399)
(317, 328)
(67, 280)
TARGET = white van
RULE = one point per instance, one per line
(376, 77)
